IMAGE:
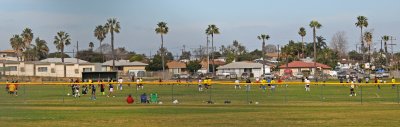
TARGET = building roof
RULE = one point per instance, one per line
(7, 51)
(66, 60)
(273, 54)
(176, 64)
(124, 63)
(216, 62)
(302, 64)
(242, 64)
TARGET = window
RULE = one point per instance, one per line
(12, 68)
(87, 69)
(42, 69)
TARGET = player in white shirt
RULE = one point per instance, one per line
(307, 86)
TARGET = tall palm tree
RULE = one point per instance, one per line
(368, 40)
(212, 30)
(91, 45)
(100, 34)
(315, 25)
(162, 29)
(302, 33)
(112, 26)
(263, 37)
(362, 21)
(61, 40)
(18, 45)
(27, 37)
(385, 40)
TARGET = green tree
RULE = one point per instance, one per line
(155, 64)
(91, 45)
(61, 40)
(362, 21)
(162, 29)
(263, 37)
(302, 32)
(18, 45)
(185, 55)
(315, 25)
(368, 40)
(41, 49)
(57, 55)
(100, 33)
(90, 56)
(354, 55)
(193, 66)
(212, 30)
(112, 26)
(137, 57)
(27, 37)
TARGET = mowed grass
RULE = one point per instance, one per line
(287, 106)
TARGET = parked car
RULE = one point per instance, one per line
(224, 74)
(232, 75)
(197, 75)
(246, 75)
(299, 75)
(379, 75)
(175, 76)
(268, 75)
(385, 74)
(341, 74)
(310, 77)
(353, 75)
(209, 75)
(184, 76)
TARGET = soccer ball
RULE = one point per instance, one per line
(175, 102)
(68, 94)
(160, 103)
(256, 103)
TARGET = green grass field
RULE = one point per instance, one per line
(287, 106)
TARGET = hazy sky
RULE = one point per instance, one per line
(241, 20)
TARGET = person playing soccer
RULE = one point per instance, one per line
(273, 85)
(129, 99)
(93, 91)
(307, 86)
(237, 84)
(11, 88)
(102, 87)
(200, 85)
(263, 83)
(352, 86)
(111, 89)
(120, 80)
(393, 81)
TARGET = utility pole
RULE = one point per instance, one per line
(77, 50)
(208, 57)
(357, 48)
(391, 44)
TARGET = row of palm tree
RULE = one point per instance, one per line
(24, 49)
(112, 26)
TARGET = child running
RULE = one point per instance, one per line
(93, 91)
(352, 86)
(111, 89)
(199, 84)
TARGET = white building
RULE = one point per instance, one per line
(240, 67)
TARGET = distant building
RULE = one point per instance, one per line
(302, 66)
(8, 55)
(45, 69)
(177, 67)
(124, 66)
(244, 66)
(204, 65)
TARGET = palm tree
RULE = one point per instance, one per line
(91, 45)
(302, 33)
(61, 40)
(27, 37)
(368, 40)
(100, 34)
(315, 25)
(385, 39)
(362, 22)
(211, 30)
(18, 45)
(162, 29)
(263, 37)
(112, 26)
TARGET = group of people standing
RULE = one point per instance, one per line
(75, 87)
(12, 87)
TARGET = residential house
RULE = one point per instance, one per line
(244, 66)
(304, 67)
(205, 66)
(10, 55)
(177, 67)
(125, 66)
